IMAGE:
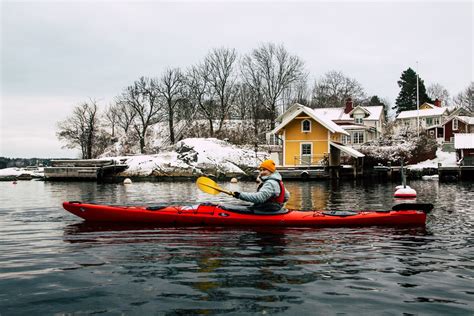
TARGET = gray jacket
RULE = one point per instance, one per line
(268, 190)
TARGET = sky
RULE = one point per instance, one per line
(58, 54)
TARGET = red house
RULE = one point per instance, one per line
(464, 145)
(457, 124)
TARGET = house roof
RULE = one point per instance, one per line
(337, 114)
(428, 104)
(327, 123)
(464, 141)
(348, 150)
(466, 119)
(422, 113)
(354, 126)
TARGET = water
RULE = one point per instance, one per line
(53, 263)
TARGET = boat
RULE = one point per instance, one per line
(434, 177)
(209, 214)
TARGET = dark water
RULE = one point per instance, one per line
(53, 263)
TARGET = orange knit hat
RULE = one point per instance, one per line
(269, 165)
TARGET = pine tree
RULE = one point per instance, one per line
(376, 101)
(406, 99)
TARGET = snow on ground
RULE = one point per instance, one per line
(445, 158)
(194, 156)
(15, 172)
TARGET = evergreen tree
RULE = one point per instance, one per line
(406, 99)
(376, 101)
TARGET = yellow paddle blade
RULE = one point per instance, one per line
(209, 186)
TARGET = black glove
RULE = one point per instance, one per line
(236, 194)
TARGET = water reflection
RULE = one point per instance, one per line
(54, 263)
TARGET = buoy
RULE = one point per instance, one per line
(404, 192)
(234, 180)
(127, 181)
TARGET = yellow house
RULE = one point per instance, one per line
(310, 139)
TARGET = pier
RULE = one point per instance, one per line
(82, 169)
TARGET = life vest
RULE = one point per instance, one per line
(280, 199)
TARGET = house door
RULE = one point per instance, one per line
(306, 153)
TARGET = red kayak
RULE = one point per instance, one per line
(207, 214)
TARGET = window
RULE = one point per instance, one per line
(306, 126)
(358, 120)
(455, 124)
(436, 120)
(274, 140)
(306, 151)
(346, 139)
(429, 121)
(358, 137)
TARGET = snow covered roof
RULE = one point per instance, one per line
(422, 113)
(328, 123)
(466, 119)
(351, 127)
(348, 150)
(464, 141)
(337, 114)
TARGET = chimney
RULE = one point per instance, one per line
(348, 106)
(437, 102)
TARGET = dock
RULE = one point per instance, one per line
(82, 169)
(445, 173)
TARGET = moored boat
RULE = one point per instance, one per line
(208, 214)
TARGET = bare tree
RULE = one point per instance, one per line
(465, 98)
(437, 91)
(112, 115)
(333, 88)
(142, 97)
(298, 92)
(170, 87)
(222, 77)
(126, 114)
(276, 70)
(200, 92)
(81, 129)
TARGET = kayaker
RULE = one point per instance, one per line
(271, 194)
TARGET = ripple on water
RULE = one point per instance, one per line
(54, 263)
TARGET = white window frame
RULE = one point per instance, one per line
(356, 140)
(359, 120)
(302, 126)
(455, 124)
(306, 155)
(346, 139)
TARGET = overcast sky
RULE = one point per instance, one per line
(57, 54)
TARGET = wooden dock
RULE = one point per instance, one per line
(445, 173)
(83, 169)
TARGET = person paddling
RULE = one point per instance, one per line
(271, 194)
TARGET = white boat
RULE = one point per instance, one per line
(433, 177)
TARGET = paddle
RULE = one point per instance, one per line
(209, 186)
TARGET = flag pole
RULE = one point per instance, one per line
(417, 103)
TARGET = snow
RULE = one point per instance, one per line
(421, 113)
(445, 158)
(194, 156)
(464, 141)
(7, 172)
